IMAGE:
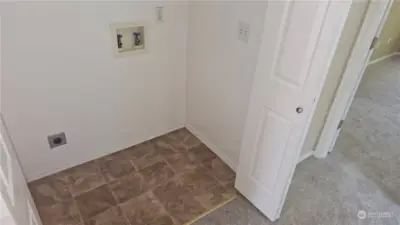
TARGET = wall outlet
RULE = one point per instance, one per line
(57, 140)
(389, 41)
(243, 31)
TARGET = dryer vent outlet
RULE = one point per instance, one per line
(57, 140)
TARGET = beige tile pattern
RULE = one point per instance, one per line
(143, 155)
(181, 162)
(50, 190)
(199, 180)
(157, 174)
(187, 211)
(85, 177)
(95, 201)
(127, 187)
(173, 193)
(115, 166)
(222, 171)
(112, 216)
(182, 138)
(168, 180)
(201, 153)
(164, 220)
(212, 197)
(60, 213)
(143, 209)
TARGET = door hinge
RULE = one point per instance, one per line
(374, 43)
(340, 125)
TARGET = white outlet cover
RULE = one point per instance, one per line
(243, 31)
(126, 29)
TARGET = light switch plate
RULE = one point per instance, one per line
(160, 13)
(129, 38)
(243, 31)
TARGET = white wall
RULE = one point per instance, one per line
(220, 72)
(349, 36)
(59, 74)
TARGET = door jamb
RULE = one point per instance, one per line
(358, 61)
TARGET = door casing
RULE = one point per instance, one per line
(372, 26)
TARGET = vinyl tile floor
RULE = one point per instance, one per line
(168, 180)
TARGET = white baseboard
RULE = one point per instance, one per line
(213, 147)
(383, 58)
(305, 156)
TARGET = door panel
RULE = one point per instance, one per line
(13, 187)
(274, 134)
(298, 44)
(297, 54)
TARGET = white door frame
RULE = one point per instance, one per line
(374, 20)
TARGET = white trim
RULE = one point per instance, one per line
(32, 215)
(1, 69)
(373, 22)
(212, 146)
(305, 156)
(383, 58)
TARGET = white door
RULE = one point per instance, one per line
(298, 44)
(15, 195)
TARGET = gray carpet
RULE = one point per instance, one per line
(360, 178)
